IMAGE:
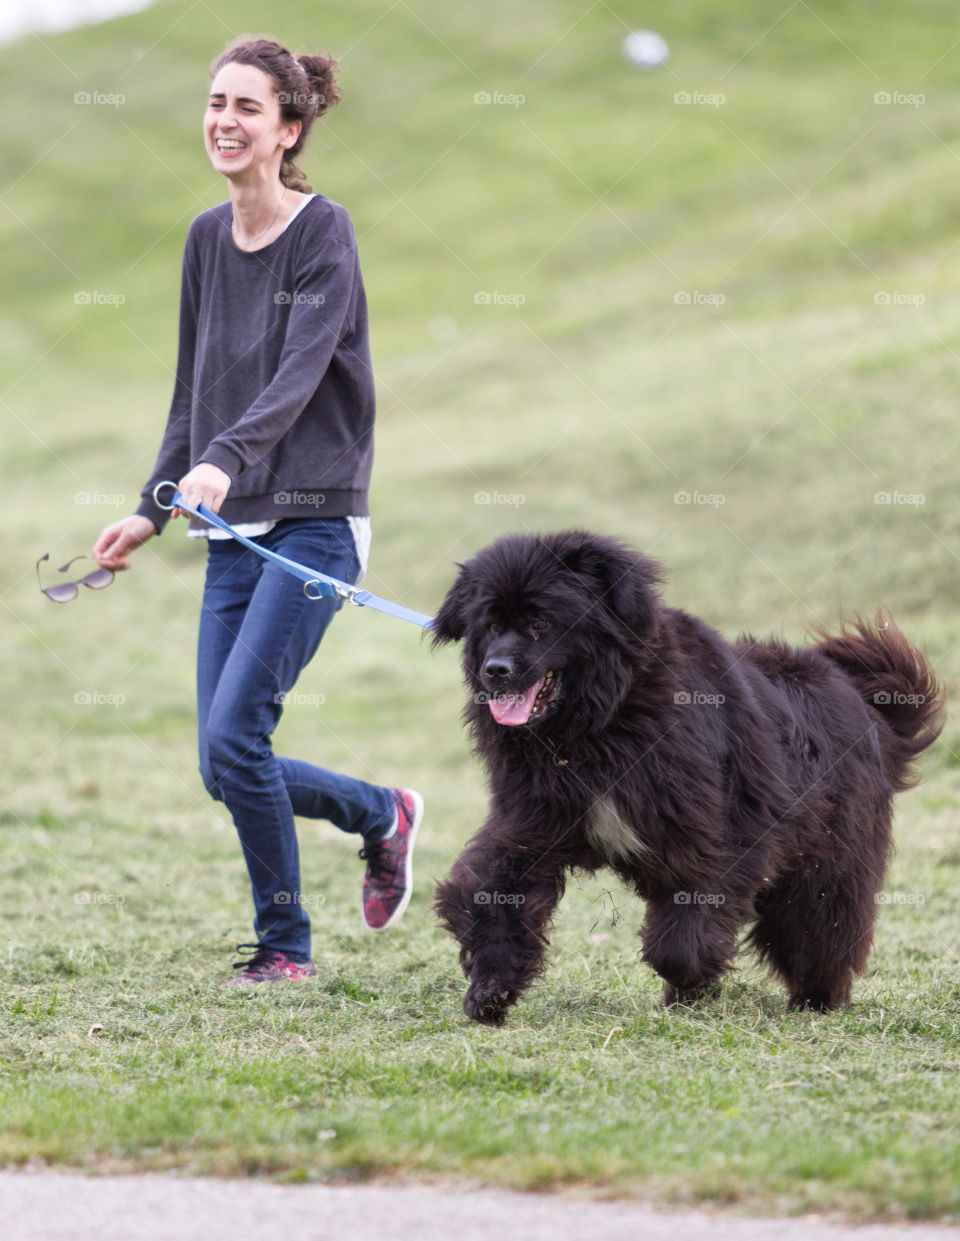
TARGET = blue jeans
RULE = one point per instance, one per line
(257, 631)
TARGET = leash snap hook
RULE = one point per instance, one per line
(349, 593)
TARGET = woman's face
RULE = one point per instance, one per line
(243, 132)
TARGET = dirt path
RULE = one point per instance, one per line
(54, 1206)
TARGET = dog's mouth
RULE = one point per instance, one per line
(513, 707)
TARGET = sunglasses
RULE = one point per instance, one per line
(65, 592)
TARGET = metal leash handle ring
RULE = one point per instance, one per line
(168, 508)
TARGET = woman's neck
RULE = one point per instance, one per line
(260, 211)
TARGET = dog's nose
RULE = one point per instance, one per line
(498, 666)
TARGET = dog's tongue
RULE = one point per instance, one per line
(514, 708)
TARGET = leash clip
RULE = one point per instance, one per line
(340, 589)
(348, 592)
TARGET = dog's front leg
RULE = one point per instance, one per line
(498, 909)
(690, 939)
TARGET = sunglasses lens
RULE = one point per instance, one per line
(62, 594)
(98, 579)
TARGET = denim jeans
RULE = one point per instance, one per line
(257, 632)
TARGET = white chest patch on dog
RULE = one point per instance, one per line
(614, 839)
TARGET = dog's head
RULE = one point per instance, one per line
(552, 626)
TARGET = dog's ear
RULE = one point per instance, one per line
(450, 623)
(625, 582)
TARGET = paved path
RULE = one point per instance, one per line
(56, 1206)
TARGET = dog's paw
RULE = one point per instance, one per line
(688, 996)
(487, 1002)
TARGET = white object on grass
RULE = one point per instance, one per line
(646, 49)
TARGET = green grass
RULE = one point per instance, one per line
(599, 399)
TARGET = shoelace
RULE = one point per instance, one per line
(258, 959)
(377, 860)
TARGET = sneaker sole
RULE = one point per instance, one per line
(263, 982)
(401, 909)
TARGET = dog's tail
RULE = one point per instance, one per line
(895, 679)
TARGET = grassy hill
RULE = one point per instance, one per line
(733, 280)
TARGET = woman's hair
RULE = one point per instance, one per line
(305, 87)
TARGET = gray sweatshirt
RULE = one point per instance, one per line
(274, 383)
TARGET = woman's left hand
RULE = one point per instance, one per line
(206, 484)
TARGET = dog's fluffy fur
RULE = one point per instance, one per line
(728, 784)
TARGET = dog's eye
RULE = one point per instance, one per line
(539, 625)
(495, 629)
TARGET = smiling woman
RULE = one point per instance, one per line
(272, 421)
(253, 80)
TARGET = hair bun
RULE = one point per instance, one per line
(322, 70)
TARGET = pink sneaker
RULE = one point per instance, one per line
(388, 883)
(267, 965)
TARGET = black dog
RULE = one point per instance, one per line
(728, 784)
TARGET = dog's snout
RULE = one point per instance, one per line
(498, 666)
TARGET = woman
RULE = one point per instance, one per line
(271, 425)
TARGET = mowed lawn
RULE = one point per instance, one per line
(712, 309)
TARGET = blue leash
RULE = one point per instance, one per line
(315, 585)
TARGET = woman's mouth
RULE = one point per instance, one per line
(229, 146)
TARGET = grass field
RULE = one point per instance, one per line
(736, 345)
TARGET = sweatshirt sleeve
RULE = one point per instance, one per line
(320, 308)
(173, 459)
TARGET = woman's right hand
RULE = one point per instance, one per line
(121, 538)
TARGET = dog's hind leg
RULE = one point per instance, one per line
(815, 930)
(498, 908)
(690, 939)
(815, 922)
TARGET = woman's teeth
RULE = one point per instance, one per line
(229, 144)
